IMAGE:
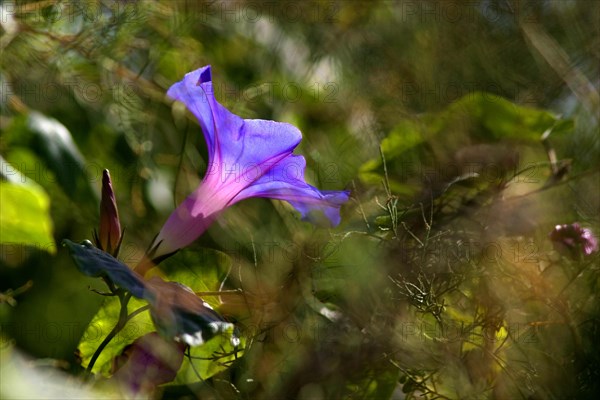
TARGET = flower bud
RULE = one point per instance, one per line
(109, 237)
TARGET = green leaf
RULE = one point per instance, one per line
(207, 360)
(101, 325)
(201, 271)
(376, 384)
(52, 142)
(477, 117)
(502, 119)
(563, 126)
(401, 141)
(25, 217)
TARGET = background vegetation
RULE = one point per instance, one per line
(441, 280)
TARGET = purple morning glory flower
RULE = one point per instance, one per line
(246, 158)
(572, 239)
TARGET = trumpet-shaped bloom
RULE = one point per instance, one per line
(247, 158)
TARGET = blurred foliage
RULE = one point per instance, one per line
(475, 118)
(466, 131)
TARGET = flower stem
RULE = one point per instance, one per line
(123, 318)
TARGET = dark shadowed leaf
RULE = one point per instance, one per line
(94, 262)
(53, 144)
(377, 384)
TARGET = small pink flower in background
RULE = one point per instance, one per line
(247, 158)
(148, 362)
(573, 240)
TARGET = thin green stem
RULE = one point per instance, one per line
(124, 298)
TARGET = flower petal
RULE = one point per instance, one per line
(188, 221)
(285, 181)
(233, 143)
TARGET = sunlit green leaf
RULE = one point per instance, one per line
(102, 324)
(24, 216)
(497, 118)
(209, 359)
(203, 271)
